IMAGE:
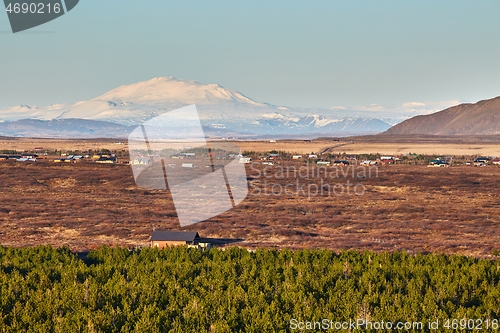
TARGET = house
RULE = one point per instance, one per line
(297, 157)
(438, 163)
(369, 162)
(73, 158)
(326, 163)
(245, 160)
(483, 160)
(110, 160)
(496, 162)
(312, 156)
(187, 165)
(164, 238)
(341, 162)
(273, 156)
(141, 161)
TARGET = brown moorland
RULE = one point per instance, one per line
(396, 207)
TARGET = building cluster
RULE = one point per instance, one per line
(68, 159)
(20, 158)
(485, 161)
(271, 159)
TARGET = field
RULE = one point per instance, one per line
(390, 207)
(487, 145)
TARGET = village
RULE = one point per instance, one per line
(187, 157)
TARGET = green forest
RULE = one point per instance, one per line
(45, 289)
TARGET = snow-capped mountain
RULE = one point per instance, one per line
(220, 109)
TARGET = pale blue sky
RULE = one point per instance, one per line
(294, 53)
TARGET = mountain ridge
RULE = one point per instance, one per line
(481, 118)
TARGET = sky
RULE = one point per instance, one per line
(293, 53)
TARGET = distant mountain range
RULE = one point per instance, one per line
(64, 128)
(223, 112)
(481, 118)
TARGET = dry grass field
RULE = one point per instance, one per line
(396, 207)
(486, 146)
(22, 144)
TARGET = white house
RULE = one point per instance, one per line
(141, 161)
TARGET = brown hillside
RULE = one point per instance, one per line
(481, 118)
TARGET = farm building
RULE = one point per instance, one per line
(326, 163)
(297, 157)
(163, 238)
(341, 162)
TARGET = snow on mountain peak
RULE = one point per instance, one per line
(218, 108)
(174, 91)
